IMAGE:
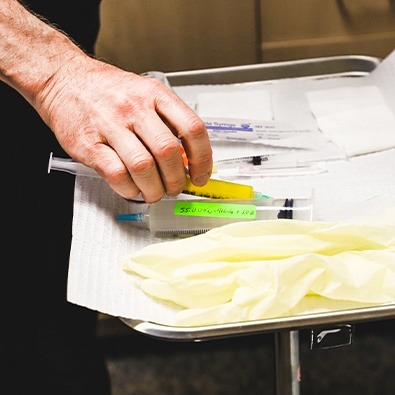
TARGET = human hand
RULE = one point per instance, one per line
(126, 127)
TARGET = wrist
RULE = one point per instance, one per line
(31, 51)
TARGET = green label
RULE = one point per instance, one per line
(219, 210)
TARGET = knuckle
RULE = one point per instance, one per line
(116, 175)
(135, 108)
(142, 164)
(176, 186)
(203, 159)
(195, 127)
(166, 149)
(174, 190)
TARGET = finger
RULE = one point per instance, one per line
(140, 164)
(190, 129)
(112, 169)
(165, 149)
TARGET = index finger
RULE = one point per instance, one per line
(191, 130)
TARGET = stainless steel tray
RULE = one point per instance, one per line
(309, 68)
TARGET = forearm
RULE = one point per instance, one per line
(31, 51)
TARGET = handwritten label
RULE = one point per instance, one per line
(218, 210)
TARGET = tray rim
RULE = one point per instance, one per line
(342, 65)
(244, 328)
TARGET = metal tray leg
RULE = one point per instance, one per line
(287, 363)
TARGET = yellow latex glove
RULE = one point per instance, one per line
(263, 269)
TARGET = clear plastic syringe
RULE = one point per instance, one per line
(218, 189)
(70, 166)
(176, 217)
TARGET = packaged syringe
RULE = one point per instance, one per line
(176, 217)
(247, 130)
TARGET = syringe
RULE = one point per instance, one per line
(176, 217)
(216, 189)
(70, 166)
(266, 165)
(253, 131)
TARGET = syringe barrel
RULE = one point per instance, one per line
(170, 217)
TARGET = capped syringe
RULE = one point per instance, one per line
(183, 217)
